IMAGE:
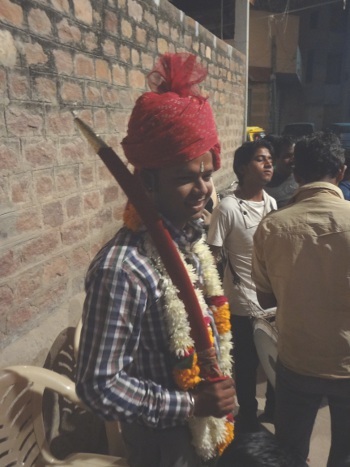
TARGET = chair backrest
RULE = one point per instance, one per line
(22, 433)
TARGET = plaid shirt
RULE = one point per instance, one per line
(124, 368)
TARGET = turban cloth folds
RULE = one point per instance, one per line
(173, 123)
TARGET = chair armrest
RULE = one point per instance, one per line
(42, 378)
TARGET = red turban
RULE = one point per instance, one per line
(173, 123)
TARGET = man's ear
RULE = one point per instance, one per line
(340, 174)
(148, 178)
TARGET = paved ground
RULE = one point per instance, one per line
(320, 440)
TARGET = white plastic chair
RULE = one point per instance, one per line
(22, 432)
(114, 437)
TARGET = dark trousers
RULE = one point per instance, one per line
(246, 365)
(298, 399)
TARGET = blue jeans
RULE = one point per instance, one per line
(298, 399)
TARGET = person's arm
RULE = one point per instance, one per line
(113, 311)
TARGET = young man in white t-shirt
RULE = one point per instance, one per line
(231, 231)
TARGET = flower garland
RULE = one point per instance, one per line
(210, 435)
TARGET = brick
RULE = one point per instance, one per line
(110, 194)
(150, 19)
(92, 201)
(39, 23)
(60, 5)
(19, 316)
(21, 188)
(141, 35)
(40, 247)
(109, 48)
(9, 156)
(8, 263)
(102, 70)
(135, 57)
(135, 10)
(73, 207)
(104, 174)
(60, 123)
(83, 11)
(28, 221)
(3, 84)
(28, 282)
(93, 95)
(72, 151)
(111, 22)
(67, 179)
(101, 220)
(84, 66)
(74, 232)
(55, 268)
(110, 96)
(126, 29)
(147, 61)
(162, 46)
(52, 214)
(67, 33)
(11, 13)
(80, 258)
(45, 89)
(119, 75)
(40, 153)
(43, 183)
(87, 175)
(23, 122)
(63, 62)
(208, 52)
(4, 191)
(71, 92)
(8, 51)
(164, 28)
(34, 54)
(6, 299)
(125, 98)
(100, 120)
(124, 53)
(90, 41)
(137, 79)
(174, 34)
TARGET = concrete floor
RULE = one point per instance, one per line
(320, 440)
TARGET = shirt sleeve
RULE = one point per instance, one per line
(113, 310)
(218, 227)
(259, 271)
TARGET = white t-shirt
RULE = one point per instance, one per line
(232, 226)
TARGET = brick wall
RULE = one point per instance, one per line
(58, 203)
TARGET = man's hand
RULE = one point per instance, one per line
(214, 399)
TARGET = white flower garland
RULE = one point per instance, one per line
(207, 432)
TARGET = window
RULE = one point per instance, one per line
(334, 62)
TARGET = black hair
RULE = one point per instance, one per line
(245, 153)
(279, 143)
(318, 156)
(259, 449)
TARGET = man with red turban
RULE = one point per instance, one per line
(137, 361)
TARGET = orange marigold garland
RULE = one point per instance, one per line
(210, 435)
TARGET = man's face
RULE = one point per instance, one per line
(259, 171)
(285, 161)
(183, 190)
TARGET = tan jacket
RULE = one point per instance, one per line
(302, 256)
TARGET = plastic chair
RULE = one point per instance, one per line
(22, 432)
(115, 442)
